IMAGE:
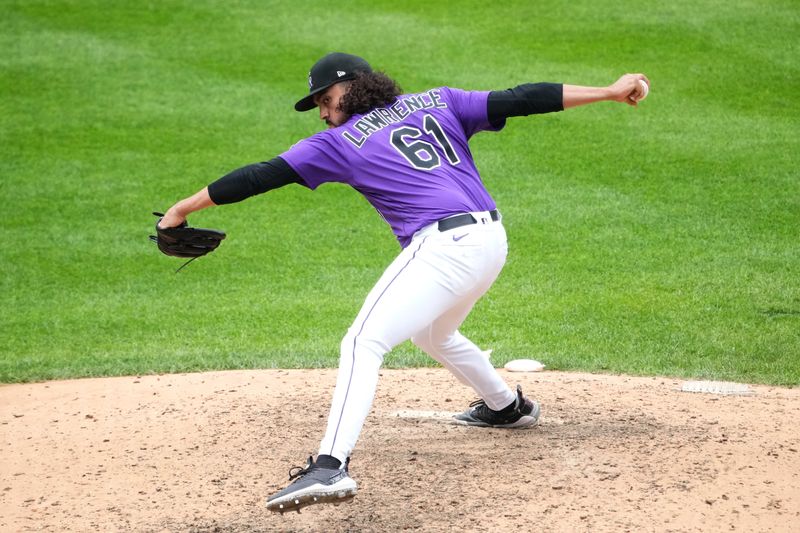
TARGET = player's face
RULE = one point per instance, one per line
(328, 102)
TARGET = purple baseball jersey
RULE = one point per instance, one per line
(410, 160)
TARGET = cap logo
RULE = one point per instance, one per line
(340, 73)
(310, 83)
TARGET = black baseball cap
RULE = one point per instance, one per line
(332, 68)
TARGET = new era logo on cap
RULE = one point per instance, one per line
(340, 73)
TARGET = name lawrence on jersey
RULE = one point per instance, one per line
(380, 117)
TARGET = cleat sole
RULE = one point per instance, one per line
(300, 502)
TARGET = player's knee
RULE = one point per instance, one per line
(422, 342)
(356, 346)
(432, 343)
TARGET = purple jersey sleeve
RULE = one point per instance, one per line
(411, 159)
(318, 160)
(472, 110)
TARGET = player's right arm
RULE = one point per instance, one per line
(523, 100)
(233, 187)
(627, 89)
(536, 98)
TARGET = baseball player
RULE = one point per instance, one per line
(408, 155)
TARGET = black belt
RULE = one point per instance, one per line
(464, 220)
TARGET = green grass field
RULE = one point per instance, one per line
(657, 240)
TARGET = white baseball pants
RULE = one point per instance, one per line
(424, 295)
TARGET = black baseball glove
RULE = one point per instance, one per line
(184, 241)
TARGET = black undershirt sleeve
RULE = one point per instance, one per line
(523, 100)
(251, 180)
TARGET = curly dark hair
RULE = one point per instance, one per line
(368, 91)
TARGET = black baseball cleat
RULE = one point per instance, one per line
(525, 414)
(313, 484)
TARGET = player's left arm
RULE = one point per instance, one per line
(234, 187)
(176, 215)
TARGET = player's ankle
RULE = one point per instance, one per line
(328, 461)
(507, 410)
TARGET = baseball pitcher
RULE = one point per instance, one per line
(409, 156)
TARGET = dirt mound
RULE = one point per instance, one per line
(200, 452)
